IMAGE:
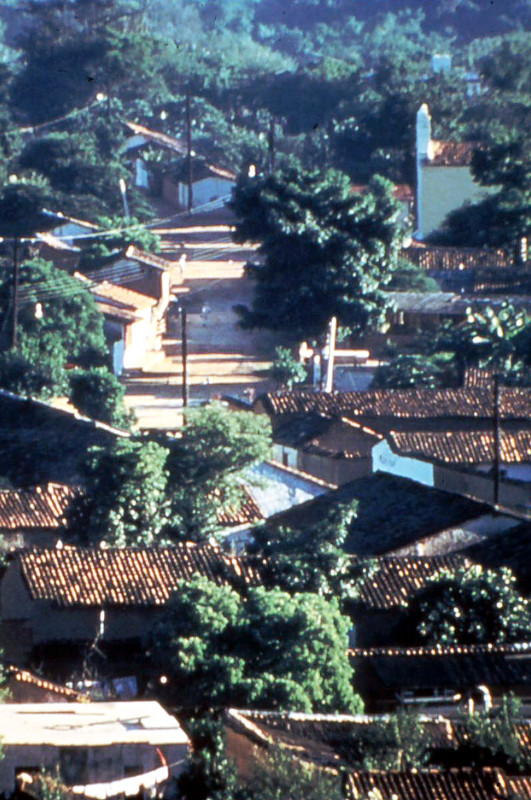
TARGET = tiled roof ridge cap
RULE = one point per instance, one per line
(300, 473)
(74, 413)
(427, 650)
(361, 427)
(144, 255)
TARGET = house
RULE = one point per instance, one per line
(43, 444)
(33, 516)
(140, 137)
(140, 271)
(71, 230)
(59, 600)
(463, 462)
(334, 449)
(210, 183)
(417, 312)
(391, 513)
(440, 677)
(95, 746)
(403, 409)
(132, 326)
(61, 253)
(444, 178)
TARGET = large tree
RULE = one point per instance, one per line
(266, 649)
(326, 252)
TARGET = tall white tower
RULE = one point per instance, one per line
(423, 152)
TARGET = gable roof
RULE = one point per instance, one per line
(395, 579)
(170, 142)
(15, 676)
(391, 512)
(453, 784)
(515, 403)
(38, 507)
(457, 667)
(149, 259)
(41, 443)
(74, 576)
(463, 447)
(309, 434)
(127, 299)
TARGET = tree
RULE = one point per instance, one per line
(417, 371)
(490, 737)
(286, 370)
(471, 605)
(204, 464)
(326, 252)
(280, 775)
(98, 394)
(124, 502)
(309, 559)
(58, 325)
(209, 775)
(266, 649)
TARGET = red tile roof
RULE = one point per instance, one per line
(247, 512)
(16, 675)
(406, 403)
(40, 507)
(72, 576)
(395, 579)
(438, 650)
(453, 784)
(463, 447)
(124, 298)
(160, 138)
(135, 254)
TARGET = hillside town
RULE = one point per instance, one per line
(265, 400)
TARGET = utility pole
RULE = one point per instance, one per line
(184, 353)
(189, 150)
(329, 385)
(496, 392)
(14, 322)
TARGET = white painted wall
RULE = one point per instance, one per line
(384, 460)
(205, 191)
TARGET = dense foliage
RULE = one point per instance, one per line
(265, 649)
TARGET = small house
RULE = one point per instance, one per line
(33, 516)
(101, 749)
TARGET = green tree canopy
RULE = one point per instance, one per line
(471, 605)
(325, 251)
(264, 650)
(124, 501)
(204, 464)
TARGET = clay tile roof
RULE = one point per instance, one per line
(406, 403)
(72, 576)
(395, 579)
(159, 138)
(453, 784)
(135, 254)
(127, 299)
(451, 154)
(39, 507)
(247, 512)
(17, 675)
(477, 378)
(442, 259)
(463, 447)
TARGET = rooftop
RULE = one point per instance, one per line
(391, 512)
(463, 784)
(126, 299)
(38, 507)
(156, 137)
(72, 576)
(450, 304)
(88, 724)
(442, 259)
(463, 447)
(406, 403)
(22, 676)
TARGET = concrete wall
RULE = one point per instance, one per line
(82, 765)
(442, 190)
(139, 339)
(384, 460)
(204, 191)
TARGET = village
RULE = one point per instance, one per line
(265, 425)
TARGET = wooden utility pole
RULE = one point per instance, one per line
(329, 385)
(14, 321)
(496, 398)
(189, 172)
(184, 353)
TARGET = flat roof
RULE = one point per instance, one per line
(88, 724)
